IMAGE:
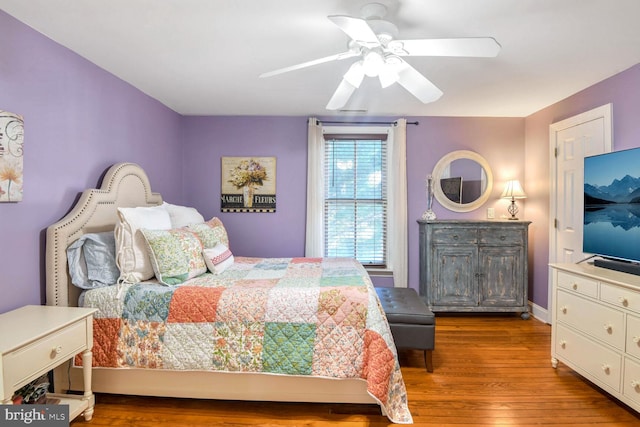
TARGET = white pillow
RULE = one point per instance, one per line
(218, 258)
(132, 255)
(181, 216)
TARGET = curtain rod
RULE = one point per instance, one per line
(362, 123)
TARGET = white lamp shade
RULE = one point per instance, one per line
(513, 190)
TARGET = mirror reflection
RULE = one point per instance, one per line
(463, 181)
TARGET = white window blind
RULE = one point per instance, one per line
(355, 198)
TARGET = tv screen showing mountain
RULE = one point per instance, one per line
(612, 205)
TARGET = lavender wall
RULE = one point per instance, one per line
(618, 90)
(207, 139)
(79, 120)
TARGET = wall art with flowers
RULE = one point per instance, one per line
(248, 184)
(11, 155)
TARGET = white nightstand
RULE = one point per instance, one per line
(35, 339)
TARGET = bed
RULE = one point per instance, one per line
(183, 335)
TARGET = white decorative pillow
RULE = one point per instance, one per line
(132, 256)
(181, 216)
(176, 255)
(218, 258)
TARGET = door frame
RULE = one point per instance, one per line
(605, 112)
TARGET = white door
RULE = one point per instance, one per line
(572, 140)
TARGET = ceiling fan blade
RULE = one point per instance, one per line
(341, 95)
(417, 84)
(472, 46)
(336, 57)
(357, 29)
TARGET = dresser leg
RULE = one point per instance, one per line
(554, 362)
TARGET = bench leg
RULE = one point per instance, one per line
(428, 360)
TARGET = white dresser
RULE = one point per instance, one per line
(596, 327)
(35, 339)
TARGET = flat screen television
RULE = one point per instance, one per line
(612, 209)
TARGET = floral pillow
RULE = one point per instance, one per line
(176, 255)
(211, 233)
(218, 258)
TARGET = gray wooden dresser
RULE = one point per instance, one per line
(474, 266)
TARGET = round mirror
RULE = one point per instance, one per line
(462, 181)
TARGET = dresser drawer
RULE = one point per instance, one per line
(631, 384)
(621, 297)
(44, 353)
(633, 336)
(501, 236)
(594, 359)
(459, 235)
(604, 323)
(578, 284)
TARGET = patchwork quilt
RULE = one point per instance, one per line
(281, 316)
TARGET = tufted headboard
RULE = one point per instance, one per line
(124, 185)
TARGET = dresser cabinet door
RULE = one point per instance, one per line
(501, 274)
(454, 280)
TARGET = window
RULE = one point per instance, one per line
(355, 198)
(364, 169)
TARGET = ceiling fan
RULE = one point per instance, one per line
(373, 40)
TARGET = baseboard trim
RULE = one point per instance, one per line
(539, 313)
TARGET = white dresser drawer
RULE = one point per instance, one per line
(620, 297)
(604, 323)
(633, 336)
(594, 359)
(631, 385)
(581, 285)
(44, 353)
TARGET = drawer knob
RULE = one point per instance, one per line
(606, 368)
(502, 238)
(608, 328)
(455, 237)
(635, 385)
(56, 351)
(575, 286)
(564, 309)
(563, 344)
(636, 339)
(623, 301)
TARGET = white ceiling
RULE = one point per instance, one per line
(203, 57)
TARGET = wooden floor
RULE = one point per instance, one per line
(489, 371)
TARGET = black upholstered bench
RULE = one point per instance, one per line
(413, 325)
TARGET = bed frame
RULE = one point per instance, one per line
(127, 185)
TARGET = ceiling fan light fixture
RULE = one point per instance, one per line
(388, 75)
(372, 63)
(355, 74)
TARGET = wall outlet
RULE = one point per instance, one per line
(491, 213)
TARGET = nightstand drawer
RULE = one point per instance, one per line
(45, 353)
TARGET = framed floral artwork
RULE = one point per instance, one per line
(248, 184)
(11, 155)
